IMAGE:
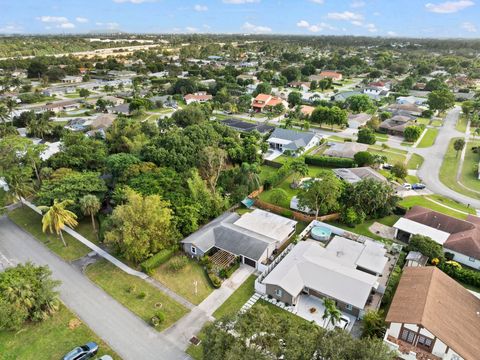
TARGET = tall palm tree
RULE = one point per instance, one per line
(90, 205)
(331, 313)
(41, 126)
(56, 217)
(11, 106)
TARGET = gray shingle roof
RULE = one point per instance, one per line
(298, 138)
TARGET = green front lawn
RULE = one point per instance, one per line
(362, 229)
(461, 124)
(469, 174)
(266, 172)
(393, 157)
(235, 302)
(424, 201)
(183, 281)
(423, 121)
(130, 290)
(31, 222)
(415, 162)
(429, 138)
(437, 123)
(49, 339)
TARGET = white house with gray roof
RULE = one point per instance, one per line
(255, 236)
(296, 141)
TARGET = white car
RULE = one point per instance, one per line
(407, 186)
(105, 357)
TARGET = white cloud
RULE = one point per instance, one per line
(237, 2)
(67, 25)
(346, 16)
(357, 4)
(257, 29)
(200, 8)
(53, 19)
(391, 33)
(371, 28)
(11, 28)
(314, 27)
(108, 25)
(191, 29)
(317, 1)
(468, 26)
(80, 19)
(357, 23)
(449, 7)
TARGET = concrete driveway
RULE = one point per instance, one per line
(127, 334)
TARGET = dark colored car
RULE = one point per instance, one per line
(84, 352)
(418, 186)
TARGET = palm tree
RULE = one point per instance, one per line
(331, 313)
(3, 114)
(11, 106)
(41, 126)
(298, 168)
(56, 217)
(90, 205)
(251, 172)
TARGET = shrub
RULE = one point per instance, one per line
(287, 213)
(327, 161)
(464, 275)
(142, 295)
(350, 217)
(278, 196)
(160, 315)
(363, 158)
(214, 279)
(449, 255)
(412, 133)
(366, 136)
(156, 260)
(178, 263)
(399, 170)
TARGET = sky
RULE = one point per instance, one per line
(409, 18)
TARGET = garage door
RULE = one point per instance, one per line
(249, 262)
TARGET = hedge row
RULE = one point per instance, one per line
(464, 275)
(156, 260)
(328, 161)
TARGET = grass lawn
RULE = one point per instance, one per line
(381, 136)
(196, 352)
(412, 179)
(235, 302)
(415, 161)
(50, 339)
(448, 171)
(362, 229)
(423, 121)
(336, 138)
(31, 222)
(266, 172)
(85, 229)
(128, 290)
(429, 138)
(461, 124)
(469, 174)
(182, 281)
(424, 201)
(393, 157)
(437, 123)
(3, 198)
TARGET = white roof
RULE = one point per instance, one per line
(267, 224)
(413, 227)
(311, 265)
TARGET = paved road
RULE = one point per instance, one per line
(127, 334)
(430, 170)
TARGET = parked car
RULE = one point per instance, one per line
(407, 186)
(343, 322)
(105, 357)
(387, 166)
(84, 352)
(418, 186)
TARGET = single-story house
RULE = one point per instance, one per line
(354, 175)
(375, 92)
(59, 106)
(198, 97)
(263, 101)
(395, 125)
(335, 76)
(72, 79)
(345, 150)
(306, 110)
(411, 100)
(411, 109)
(296, 141)
(244, 126)
(357, 120)
(345, 270)
(301, 85)
(247, 77)
(433, 316)
(458, 237)
(120, 109)
(254, 236)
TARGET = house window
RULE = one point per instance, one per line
(278, 292)
(349, 307)
(194, 250)
(424, 342)
(407, 336)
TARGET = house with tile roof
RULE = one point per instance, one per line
(459, 237)
(432, 317)
(264, 101)
(198, 97)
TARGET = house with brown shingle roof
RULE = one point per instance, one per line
(433, 317)
(458, 237)
(396, 125)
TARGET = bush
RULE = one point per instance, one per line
(142, 295)
(178, 263)
(287, 213)
(399, 170)
(158, 318)
(466, 276)
(156, 260)
(412, 133)
(327, 161)
(449, 255)
(363, 158)
(350, 217)
(366, 136)
(214, 279)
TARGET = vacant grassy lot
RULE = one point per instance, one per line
(415, 161)
(183, 281)
(235, 302)
(135, 294)
(429, 138)
(424, 201)
(448, 170)
(31, 222)
(50, 339)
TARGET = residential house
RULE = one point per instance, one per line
(123, 109)
(59, 106)
(433, 317)
(264, 101)
(304, 86)
(461, 238)
(375, 92)
(306, 110)
(357, 120)
(295, 141)
(395, 125)
(411, 109)
(335, 76)
(72, 79)
(354, 175)
(411, 100)
(246, 77)
(198, 97)
(344, 270)
(345, 150)
(247, 127)
(255, 237)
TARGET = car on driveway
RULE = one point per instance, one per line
(343, 322)
(418, 186)
(407, 186)
(387, 166)
(84, 352)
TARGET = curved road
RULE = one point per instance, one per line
(430, 170)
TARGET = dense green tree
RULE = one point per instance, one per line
(360, 103)
(363, 158)
(373, 324)
(399, 170)
(294, 98)
(291, 73)
(262, 88)
(458, 145)
(426, 246)
(190, 115)
(441, 100)
(366, 136)
(412, 133)
(321, 196)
